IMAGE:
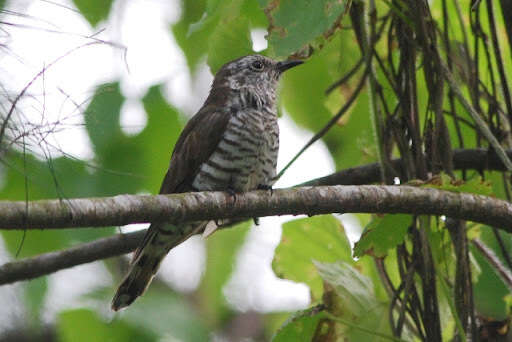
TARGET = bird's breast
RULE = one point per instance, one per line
(246, 155)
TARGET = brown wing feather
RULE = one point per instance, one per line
(194, 146)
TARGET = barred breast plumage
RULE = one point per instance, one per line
(230, 144)
(246, 155)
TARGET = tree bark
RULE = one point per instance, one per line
(198, 206)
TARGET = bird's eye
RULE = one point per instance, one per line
(257, 65)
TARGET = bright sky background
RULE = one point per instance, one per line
(142, 26)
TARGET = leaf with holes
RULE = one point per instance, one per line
(296, 24)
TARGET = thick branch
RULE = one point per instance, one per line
(126, 209)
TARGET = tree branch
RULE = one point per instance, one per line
(197, 206)
(463, 159)
(47, 263)
(124, 243)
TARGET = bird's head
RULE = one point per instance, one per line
(252, 71)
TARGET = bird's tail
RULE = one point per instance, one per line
(146, 260)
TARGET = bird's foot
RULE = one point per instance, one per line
(256, 220)
(266, 187)
(232, 194)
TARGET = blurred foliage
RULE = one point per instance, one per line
(94, 10)
(386, 290)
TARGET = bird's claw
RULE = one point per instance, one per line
(232, 194)
(266, 187)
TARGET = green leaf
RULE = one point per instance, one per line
(192, 11)
(252, 10)
(223, 247)
(353, 288)
(158, 138)
(85, 325)
(356, 303)
(382, 234)
(320, 238)
(102, 117)
(301, 326)
(94, 10)
(490, 290)
(223, 25)
(229, 40)
(121, 159)
(295, 24)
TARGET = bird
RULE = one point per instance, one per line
(230, 144)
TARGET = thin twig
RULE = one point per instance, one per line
(346, 77)
(39, 74)
(495, 262)
(481, 124)
(328, 126)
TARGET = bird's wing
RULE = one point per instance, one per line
(195, 145)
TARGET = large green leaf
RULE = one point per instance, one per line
(295, 24)
(353, 288)
(157, 140)
(382, 234)
(192, 11)
(229, 32)
(120, 159)
(319, 238)
(219, 29)
(131, 164)
(355, 302)
(229, 40)
(94, 10)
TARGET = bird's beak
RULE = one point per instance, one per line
(285, 65)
